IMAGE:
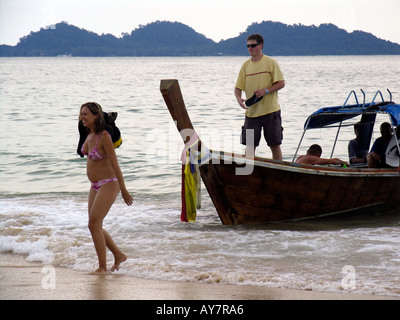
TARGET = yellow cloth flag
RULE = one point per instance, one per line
(191, 190)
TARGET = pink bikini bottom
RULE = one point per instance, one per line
(98, 184)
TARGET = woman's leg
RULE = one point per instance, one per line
(100, 203)
(119, 256)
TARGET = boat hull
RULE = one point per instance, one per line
(281, 191)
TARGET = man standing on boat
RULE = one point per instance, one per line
(261, 78)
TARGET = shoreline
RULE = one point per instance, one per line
(22, 280)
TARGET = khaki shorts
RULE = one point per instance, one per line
(270, 123)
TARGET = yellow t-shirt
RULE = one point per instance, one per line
(258, 75)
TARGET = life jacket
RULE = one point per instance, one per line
(111, 128)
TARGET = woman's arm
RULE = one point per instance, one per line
(112, 156)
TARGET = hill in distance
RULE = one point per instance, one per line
(163, 38)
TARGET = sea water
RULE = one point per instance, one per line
(43, 183)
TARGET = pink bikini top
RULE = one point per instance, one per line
(94, 154)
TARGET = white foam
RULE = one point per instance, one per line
(35, 251)
(54, 230)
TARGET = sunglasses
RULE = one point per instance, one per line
(253, 45)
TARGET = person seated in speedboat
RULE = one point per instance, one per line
(357, 154)
(313, 157)
(377, 157)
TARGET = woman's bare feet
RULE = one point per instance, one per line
(99, 271)
(118, 261)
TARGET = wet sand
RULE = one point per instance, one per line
(21, 280)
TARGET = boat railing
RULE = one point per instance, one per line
(380, 93)
(348, 97)
(376, 94)
(363, 97)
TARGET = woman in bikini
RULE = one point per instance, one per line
(106, 178)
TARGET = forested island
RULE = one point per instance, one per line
(164, 38)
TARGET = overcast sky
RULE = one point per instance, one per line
(216, 19)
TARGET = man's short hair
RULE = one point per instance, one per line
(315, 150)
(385, 125)
(257, 37)
(358, 126)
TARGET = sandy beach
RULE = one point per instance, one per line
(21, 280)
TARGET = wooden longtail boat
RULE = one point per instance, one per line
(260, 190)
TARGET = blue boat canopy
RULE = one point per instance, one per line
(331, 115)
